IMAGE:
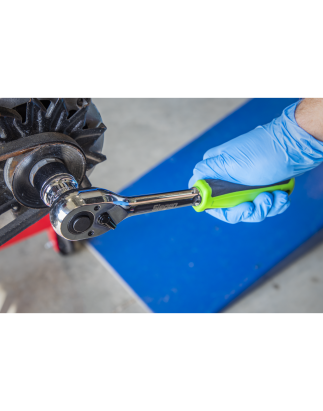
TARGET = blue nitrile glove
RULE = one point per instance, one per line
(268, 154)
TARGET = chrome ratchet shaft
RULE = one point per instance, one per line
(163, 201)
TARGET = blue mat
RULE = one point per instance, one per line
(183, 261)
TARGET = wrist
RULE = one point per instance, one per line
(309, 116)
(301, 151)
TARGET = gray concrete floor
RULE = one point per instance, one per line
(36, 279)
(140, 134)
(297, 289)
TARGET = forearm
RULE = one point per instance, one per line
(309, 116)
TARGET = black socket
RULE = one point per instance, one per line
(47, 171)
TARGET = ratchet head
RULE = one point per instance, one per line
(81, 214)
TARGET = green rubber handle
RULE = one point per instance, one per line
(222, 194)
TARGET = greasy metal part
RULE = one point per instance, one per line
(108, 209)
(51, 144)
(39, 165)
(25, 193)
(23, 125)
(56, 186)
(22, 146)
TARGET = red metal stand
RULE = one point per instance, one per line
(41, 225)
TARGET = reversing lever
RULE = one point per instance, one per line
(105, 219)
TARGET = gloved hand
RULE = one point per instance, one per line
(268, 154)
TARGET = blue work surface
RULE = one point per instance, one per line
(183, 261)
